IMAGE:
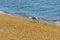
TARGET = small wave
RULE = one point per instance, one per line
(3, 12)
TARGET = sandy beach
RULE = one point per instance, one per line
(13, 28)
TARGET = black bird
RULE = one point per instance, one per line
(35, 19)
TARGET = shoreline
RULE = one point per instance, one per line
(42, 20)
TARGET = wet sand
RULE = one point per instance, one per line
(14, 28)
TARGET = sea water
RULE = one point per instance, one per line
(49, 9)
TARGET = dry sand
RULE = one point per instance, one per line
(12, 28)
